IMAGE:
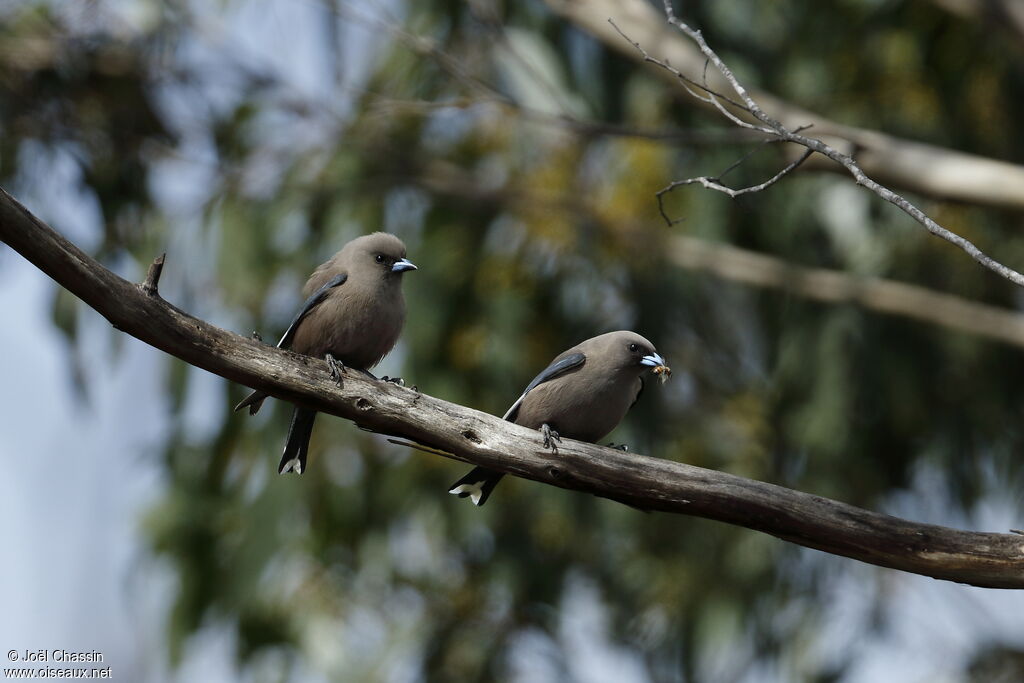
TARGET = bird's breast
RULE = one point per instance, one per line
(356, 326)
(579, 406)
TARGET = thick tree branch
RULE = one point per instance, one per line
(978, 558)
(909, 165)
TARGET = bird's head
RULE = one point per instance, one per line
(630, 353)
(381, 253)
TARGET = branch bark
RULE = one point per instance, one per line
(909, 165)
(979, 558)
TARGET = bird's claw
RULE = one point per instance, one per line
(619, 447)
(550, 437)
(256, 336)
(337, 368)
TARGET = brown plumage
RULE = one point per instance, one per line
(583, 394)
(361, 320)
(353, 316)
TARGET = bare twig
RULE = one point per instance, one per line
(708, 53)
(894, 161)
(714, 184)
(772, 127)
(711, 97)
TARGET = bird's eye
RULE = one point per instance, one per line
(634, 348)
(380, 258)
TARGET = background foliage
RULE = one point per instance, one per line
(467, 130)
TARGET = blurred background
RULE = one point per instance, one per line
(517, 150)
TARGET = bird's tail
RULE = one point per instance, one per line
(477, 485)
(297, 446)
(253, 400)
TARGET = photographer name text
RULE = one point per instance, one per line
(58, 655)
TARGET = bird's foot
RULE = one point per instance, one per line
(619, 447)
(257, 336)
(337, 368)
(551, 437)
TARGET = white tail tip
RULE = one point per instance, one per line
(293, 465)
(474, 490)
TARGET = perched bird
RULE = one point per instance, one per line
(352, 317)
(583, 394)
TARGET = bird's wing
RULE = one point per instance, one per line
(556, 369)
(311, 303)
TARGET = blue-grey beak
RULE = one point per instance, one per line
(402, 265)
(653, 360)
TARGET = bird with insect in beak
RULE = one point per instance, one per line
(352, 317)
(583, 394)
